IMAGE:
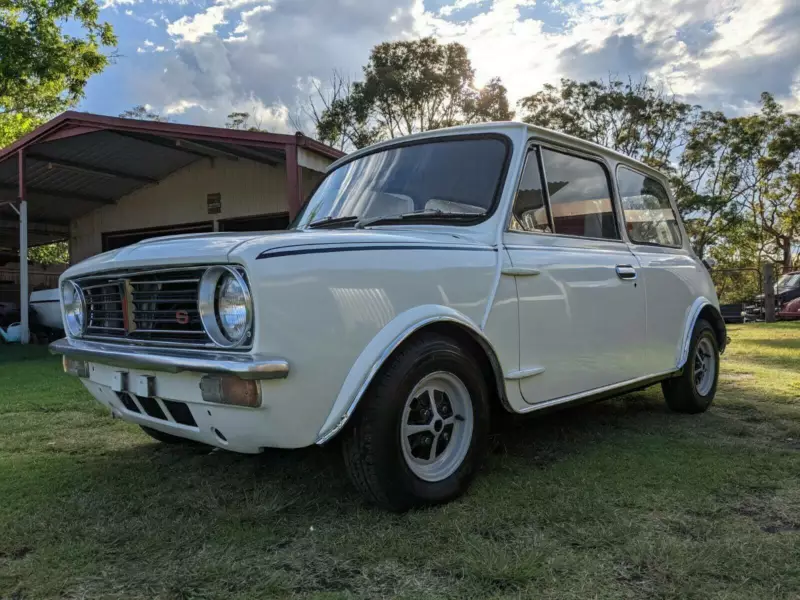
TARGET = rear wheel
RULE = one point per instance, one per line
(421, 430)
(694, 390)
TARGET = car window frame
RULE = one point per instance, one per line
(538, 145)
(498, 193)
(672, 207)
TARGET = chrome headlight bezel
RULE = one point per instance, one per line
(74, 328)
(207, 304)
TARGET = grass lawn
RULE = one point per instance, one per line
(619, 499)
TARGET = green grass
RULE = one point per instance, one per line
(619, 499)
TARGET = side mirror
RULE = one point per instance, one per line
(710, 263)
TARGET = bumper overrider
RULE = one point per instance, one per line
(210, 397)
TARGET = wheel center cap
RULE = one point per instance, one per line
(437, 425)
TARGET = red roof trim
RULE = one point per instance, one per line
(71, 119)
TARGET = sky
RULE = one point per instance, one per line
(198, 60)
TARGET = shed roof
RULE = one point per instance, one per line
(80, 161)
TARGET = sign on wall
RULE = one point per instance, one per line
(214, 202)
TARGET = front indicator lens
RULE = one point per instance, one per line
(229, 389)
(74, 308)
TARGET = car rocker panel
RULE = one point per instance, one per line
(417, 294)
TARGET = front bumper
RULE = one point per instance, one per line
(244, 366)
(161, 389)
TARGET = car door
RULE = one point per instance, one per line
(671, 275)
(581, 308)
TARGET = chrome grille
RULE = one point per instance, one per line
(158, 307)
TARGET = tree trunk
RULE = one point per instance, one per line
(786, 247)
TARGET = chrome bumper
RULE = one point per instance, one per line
(247, 366)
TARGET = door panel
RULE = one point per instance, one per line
(670, 279)
(579, 320)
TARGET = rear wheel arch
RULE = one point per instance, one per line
(702, 309)
(710, 313)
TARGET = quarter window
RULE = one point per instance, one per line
(530, 212)
(649, 217)
(580, 196)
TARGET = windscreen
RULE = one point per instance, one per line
(454, 176)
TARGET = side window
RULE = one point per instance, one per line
(649, 217)
(580, 197)
(529, 212)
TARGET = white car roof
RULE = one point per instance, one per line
(509, 128)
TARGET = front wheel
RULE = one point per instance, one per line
(693, 391)
(420, 432)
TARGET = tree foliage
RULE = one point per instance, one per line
(634, 118)
(44, 70)
(50, 254)
(241, 121)
(143, 112)
(408, 86)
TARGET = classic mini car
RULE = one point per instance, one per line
(426, 281)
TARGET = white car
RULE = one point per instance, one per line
(427, 280)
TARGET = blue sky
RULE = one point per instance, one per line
(197, 60)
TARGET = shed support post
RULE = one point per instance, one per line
(23, 250)
(769, 293)
(292, 181)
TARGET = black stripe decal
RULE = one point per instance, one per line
(361, 248)
(42, 301)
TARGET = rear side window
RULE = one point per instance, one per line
(580, 196)
(649, 217)
(530, 212)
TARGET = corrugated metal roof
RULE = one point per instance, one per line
(78, 162)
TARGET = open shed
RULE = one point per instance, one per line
(105, 182)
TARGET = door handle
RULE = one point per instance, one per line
(626, 272)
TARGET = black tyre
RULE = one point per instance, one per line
(167, 438)
(693, 391)
(421, 431)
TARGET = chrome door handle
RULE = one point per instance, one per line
(626, 272)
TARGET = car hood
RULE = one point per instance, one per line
(211, 248)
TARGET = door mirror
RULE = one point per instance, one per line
(710, 263)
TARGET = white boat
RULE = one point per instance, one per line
(46, 305)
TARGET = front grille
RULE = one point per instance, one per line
(179, 411)
(158, 307)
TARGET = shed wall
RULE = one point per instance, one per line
(247, 188)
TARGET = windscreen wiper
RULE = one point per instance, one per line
(429, 214)
(332, 222)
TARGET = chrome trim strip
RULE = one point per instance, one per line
(597, 391)
(174, 361)
(524, 373)
(520, 271)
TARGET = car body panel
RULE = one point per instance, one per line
(335, 303)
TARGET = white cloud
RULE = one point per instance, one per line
(113, 3)
(180, 107)
(140, 50)
(251, 54)
(148, 43)
(151, 22)
(192, 28)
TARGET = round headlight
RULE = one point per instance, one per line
(226, 308)
(74, 308)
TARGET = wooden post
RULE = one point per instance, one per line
(769, 293)
(23, 249)
(292, 181)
